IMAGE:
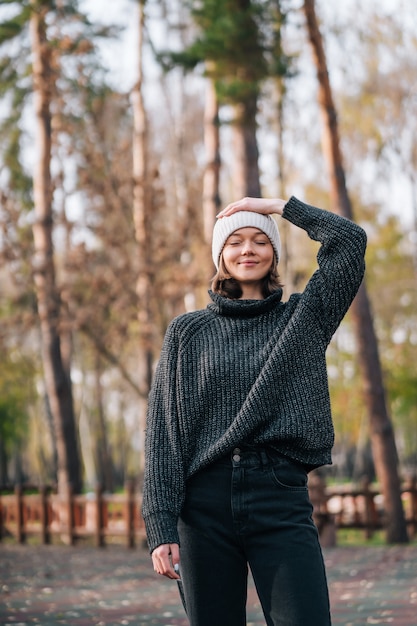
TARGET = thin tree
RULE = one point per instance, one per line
(141, 216)
(57, 378)
(211, 179)
(104, 464)
(381, 429)
(237, 42)
(241, 87)
(281, 68)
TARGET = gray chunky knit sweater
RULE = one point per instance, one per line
(249, 371)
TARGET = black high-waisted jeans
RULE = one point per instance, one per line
(251, 508)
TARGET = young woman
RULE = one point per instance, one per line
(239, 413)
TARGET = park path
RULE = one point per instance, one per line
(80, 586)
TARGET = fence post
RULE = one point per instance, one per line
(99, 534)
(322, 518)
(20, 531)
(413, 507)
(45, 535)
(369, 508)
(70, 514)
(130, 514)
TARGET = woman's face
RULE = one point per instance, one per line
(248, 255)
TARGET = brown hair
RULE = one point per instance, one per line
(223, 284)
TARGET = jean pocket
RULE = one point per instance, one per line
(288, 475)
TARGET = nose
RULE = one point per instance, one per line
(247, 247)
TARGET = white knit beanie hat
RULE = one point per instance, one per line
(225, 226)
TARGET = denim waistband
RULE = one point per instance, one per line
(253, 455)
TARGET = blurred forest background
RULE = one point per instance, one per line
(120, 137)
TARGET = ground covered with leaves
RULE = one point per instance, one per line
(80, 586)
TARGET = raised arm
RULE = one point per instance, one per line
(340, 257)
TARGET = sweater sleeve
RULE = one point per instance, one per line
(163, 491)
(332, 288)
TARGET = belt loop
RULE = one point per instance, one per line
(264, 457)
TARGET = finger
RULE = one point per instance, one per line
(174, 561)
(265, 206)
(234, 207)
(175, 558)
(163, 561)
(175, 553)
(160, 559)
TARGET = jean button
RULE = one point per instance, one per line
(236, 455)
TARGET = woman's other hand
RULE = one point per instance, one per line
(265, 206)
(165, 557)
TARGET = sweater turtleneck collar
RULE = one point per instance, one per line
(243, 308)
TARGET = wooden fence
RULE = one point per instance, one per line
(105, 518)
(98, 516)
(362, 508)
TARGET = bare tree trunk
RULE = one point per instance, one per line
(382, 434)
(104, 460)
(245, 153)
(211, 196)
(413, 183)
(57, 380)
(141, 209)
(286, 260)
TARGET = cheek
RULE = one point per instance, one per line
(272, 255)
(227, 257)
(269, 257)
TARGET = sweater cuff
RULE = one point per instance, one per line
(161, 528)
(301, 214)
